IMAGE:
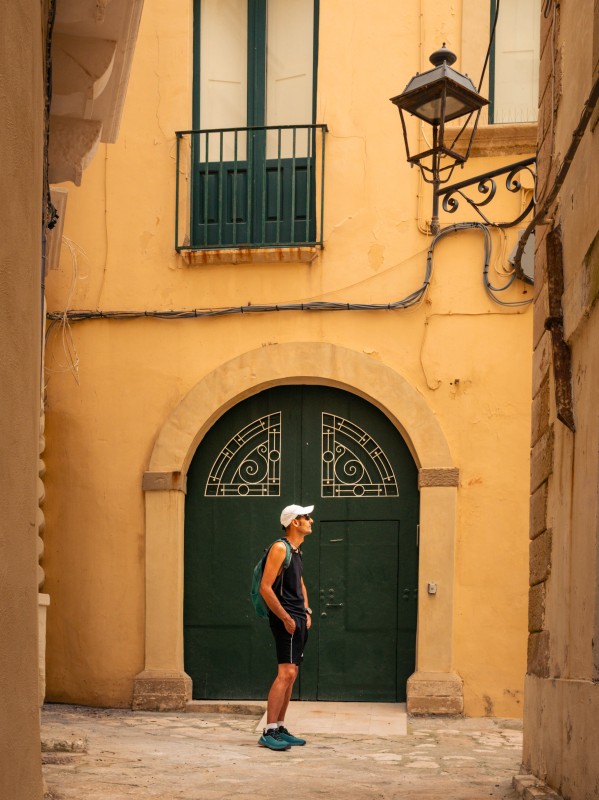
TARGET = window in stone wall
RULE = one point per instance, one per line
(514, 66)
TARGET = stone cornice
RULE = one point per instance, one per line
(502, 140)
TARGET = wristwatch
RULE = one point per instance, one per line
(308, 611)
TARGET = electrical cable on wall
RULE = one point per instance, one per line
(62, 324)
(409, 301)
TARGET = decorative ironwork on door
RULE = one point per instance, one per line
(353, 464)
(250, 463)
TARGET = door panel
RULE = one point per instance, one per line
(232, 509)
(271, 450)
(357, 612)
(222, 198)
(288, 201)
(289, 66)
(223, 50)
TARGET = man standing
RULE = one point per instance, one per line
(284, 592)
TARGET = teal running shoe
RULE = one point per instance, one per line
(289, 737)
(273, 740)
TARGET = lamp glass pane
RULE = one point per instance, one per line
(456, 107)
(431, 109)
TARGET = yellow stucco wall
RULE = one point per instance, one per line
(467, 358)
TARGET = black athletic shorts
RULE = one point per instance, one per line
(290, 647)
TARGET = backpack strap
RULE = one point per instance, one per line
(289, 552)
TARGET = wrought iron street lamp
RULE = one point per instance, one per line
(437, 97)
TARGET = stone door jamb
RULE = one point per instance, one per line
(163, 685)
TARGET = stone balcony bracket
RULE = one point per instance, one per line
(82, 67)
(73, 143)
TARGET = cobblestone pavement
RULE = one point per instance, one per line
(99, 754)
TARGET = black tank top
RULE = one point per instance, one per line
(288, 586)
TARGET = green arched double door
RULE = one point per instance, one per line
(308, 445)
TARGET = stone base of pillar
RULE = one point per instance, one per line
(161, 690)
(440, 693)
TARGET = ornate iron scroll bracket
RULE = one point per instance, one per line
(487, 188)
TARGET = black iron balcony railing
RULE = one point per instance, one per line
(250, 187)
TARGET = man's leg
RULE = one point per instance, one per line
(281, 689)
(278, 700)
(280, 693)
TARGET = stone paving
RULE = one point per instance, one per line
(99, 754)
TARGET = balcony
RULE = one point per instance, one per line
(249, 189)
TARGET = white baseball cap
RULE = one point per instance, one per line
(289, 513)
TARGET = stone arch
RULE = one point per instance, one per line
(163, 683)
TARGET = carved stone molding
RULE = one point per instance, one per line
(92, 52)
(164, 482)
(74, 11)
(43, 601)
(59, 196)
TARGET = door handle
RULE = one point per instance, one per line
(334, 605)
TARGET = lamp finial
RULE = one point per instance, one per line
(443, 55)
